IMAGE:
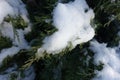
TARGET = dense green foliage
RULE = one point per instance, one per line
(107, 16)
(39, 12)
(74, 65)
(5, 42)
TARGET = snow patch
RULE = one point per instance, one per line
(8, 52)
(13, 8)
(110, 57)
(29, 74)
(73, 23)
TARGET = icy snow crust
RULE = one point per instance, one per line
(13, 8)
(73, 25)
(110, 57)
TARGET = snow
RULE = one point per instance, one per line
(110, 57)
(8, 52)
(4, 77)
(73, 25)
(113, 1)
(13, 8)
(5, 9)
(17, 38)
(29, 74)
